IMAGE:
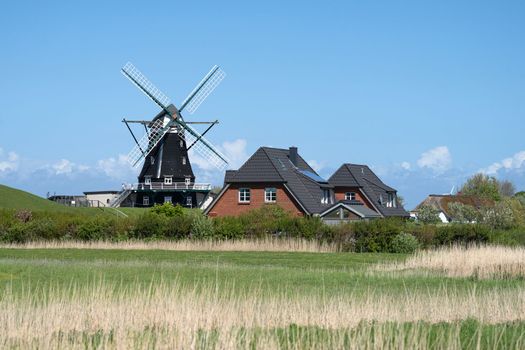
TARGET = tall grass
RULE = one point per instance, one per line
(170, 315)
(475, 261)
(268, 244)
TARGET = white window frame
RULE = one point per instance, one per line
(189, 201)
(168, 199)
(244, 195)
(145, 200)
(391, 200)
(327, 197)
(168, 180)
(270, 192)
(147, 180)
(187, 181)
(349, 195)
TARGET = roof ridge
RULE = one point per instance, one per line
(352, 174)
(387, 188)
(273, 165)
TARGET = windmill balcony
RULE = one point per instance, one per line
(176, 186)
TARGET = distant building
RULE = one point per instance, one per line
(441, 202)
(273, 176)
(102, 198)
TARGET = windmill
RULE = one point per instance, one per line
(166, 173)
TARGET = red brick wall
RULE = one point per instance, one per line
(340, 195)
(228, 204)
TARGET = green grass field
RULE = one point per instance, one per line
(169, 299)
(11, 198)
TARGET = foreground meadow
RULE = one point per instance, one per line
(116, 297)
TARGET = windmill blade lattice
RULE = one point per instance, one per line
(147, 142)
(146, 86)
(203, 89)
(204, 148)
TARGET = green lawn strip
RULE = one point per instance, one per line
(271, 272)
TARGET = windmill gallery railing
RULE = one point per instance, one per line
(173, 186)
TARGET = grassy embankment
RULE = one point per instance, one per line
(188, 299)
(11, 198)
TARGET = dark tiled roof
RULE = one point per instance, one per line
(357, 175)
(273, 165)
(356, 207)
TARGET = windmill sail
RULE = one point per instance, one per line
(144, 85)
(204, 147)
(159, 128)
(203, 89)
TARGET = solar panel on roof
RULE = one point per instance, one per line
(313, 176)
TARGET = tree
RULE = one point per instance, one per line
(427, 214)
(482, 186)
(463, 212)
(506, 188)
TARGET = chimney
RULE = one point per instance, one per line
(293, 155)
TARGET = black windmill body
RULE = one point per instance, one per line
(167, 175)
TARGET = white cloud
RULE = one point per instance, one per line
(8, 162)
(117, 168)
(317, 166)
(438, 159)
(67, 167)
(235, 151)
(516, 162)
(405, 165)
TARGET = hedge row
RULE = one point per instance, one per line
(169, 222)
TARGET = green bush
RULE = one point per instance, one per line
(97, 228)
(229, 227)
(404, 243)
(462, 234)
(151, 225)
(202, 228)
(167, 209)
(376, 235)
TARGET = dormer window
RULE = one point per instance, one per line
(350, 196)
(147, 180)
(391, 202)
(327, 197)
(168, 180)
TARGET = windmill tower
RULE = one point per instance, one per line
(163, 150)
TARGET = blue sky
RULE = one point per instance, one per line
(426, 93)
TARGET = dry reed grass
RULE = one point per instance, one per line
(170, 316)
(268, 245)
(482, 262)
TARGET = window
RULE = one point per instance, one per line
(181, 143)
(189, 201)
(187, 181)
(391, 203)
(168, 181)
(152, 160)
(145, 200)
(147, 180)
(183, 160)
(107, 201)
(327, 197)
(244, 195)
(167, 199)
(270, 195)
(350, 196)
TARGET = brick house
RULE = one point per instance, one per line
(274, 176)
